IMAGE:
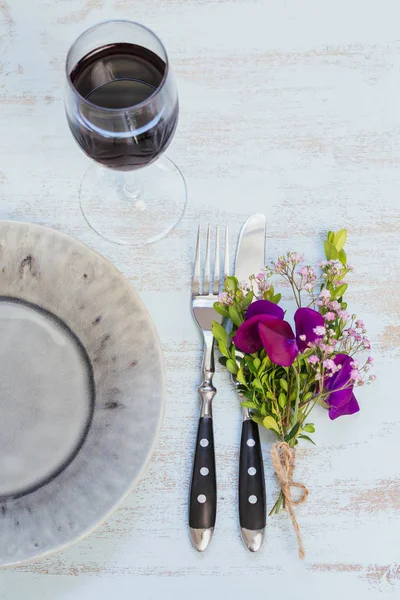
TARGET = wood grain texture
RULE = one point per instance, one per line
(288, 108)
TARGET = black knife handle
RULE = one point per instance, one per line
(252, 501)
(203, 492)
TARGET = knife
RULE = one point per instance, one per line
(252, 500)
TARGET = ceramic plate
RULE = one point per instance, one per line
(81, 390)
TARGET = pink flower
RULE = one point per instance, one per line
(330, 365)
(334, 305)
(262, 283)
(360, 324)
(366, 343)
(319, 330)
(303, 337)
(226, 298)
(313, 359)
(328, 349)
(370, 360)
(330, 316)
(355, 375)
(372, 377)
(308, 274)
(343, 314)
(325, 293)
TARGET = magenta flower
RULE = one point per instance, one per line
(306, 320)
(341, 399)
(264, 327)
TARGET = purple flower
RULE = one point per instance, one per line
(264, 327)
(306, 320)
(341, 401)
(264, 307)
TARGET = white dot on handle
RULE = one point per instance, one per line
(201, 498)
(204, 443)
(252, 499)
(251, 471)
(204, 471)
(251, 442)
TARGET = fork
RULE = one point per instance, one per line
(203, 491)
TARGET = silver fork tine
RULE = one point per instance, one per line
(226, 259)
(196, 273)
(216, 266)
(206, 288)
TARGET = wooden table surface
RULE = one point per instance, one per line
(290, 108)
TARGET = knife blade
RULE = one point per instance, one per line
(249, 260)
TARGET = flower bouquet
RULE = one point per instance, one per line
(283, 375)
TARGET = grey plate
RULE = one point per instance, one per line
(82, 390)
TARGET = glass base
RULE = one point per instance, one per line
(134, 208)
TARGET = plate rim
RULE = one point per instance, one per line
(86, 532)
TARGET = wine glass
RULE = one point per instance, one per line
(122, 107)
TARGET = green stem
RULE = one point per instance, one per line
(296, 406)
(276, 509)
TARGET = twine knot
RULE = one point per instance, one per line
(283, 459)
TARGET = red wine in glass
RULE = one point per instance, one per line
(121, 103)
(123, 123)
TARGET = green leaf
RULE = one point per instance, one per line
(343, 305)
(309, 428)
(283, 384)
(305, 437)
(219, 333)
(234, 314)
(232, 366)
(221, 309)
(222, 360)
(263, 410)
(270, 423)
(307, 396)
(247, 300)
(343, 257)
(292, 433)
(331, 236)
(282, 399)
(250, 365)
(339, 291)
(223, 349)
(249, 404)
(340, 239)
(276, 299)
(231, 283)
(270, 395)
(233, 352)
(257, 384)
(330, 251)
(257, 363)
(240, 377)
(258, 420)
(265, 363)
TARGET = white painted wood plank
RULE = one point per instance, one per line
(288, 108)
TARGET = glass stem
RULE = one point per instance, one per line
(132, 187)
